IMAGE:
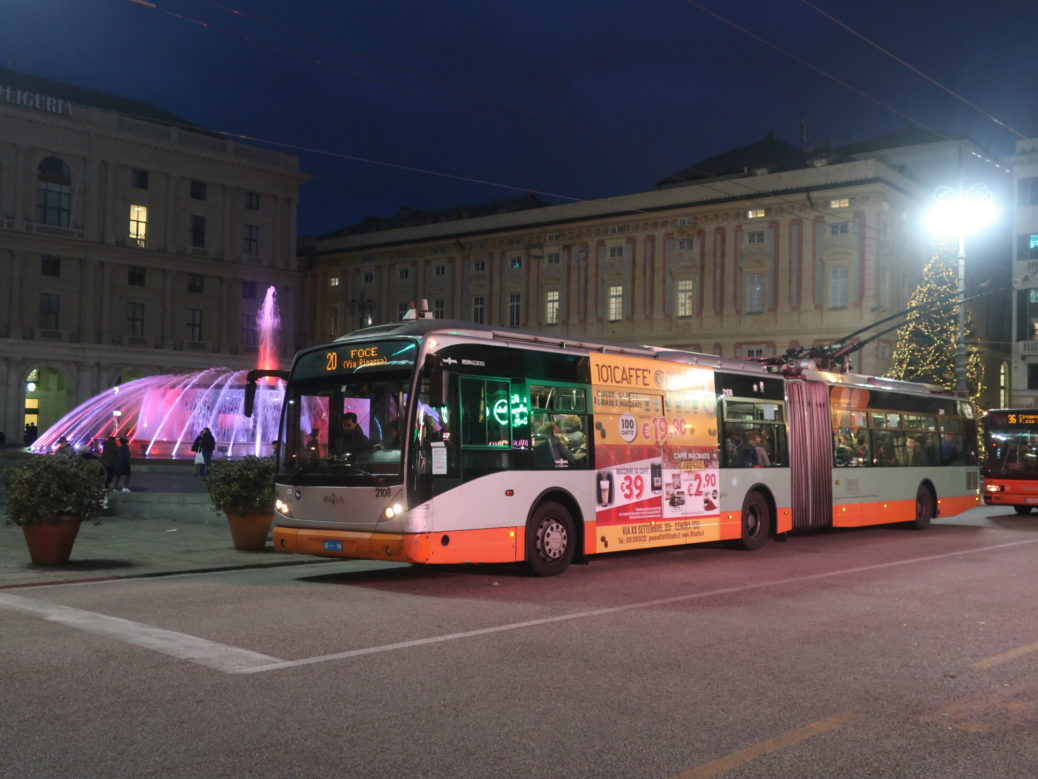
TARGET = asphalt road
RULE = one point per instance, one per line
(875, 652)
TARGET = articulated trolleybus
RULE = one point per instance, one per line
(431, 441)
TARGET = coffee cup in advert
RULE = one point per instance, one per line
(603, 491)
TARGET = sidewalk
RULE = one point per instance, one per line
(165, 525)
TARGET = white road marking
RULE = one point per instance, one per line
(211, 654)
(231, 659)
(616, 609)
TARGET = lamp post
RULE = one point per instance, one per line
(958, 212)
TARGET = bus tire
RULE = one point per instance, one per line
(550, 540)
(924, 504)
(756, 521)
(1022, 509)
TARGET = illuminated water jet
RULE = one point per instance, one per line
(162, 415)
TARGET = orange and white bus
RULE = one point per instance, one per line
(486, 445)
(1011, 458)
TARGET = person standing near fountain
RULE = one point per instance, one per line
(205, 443)
(108, 456)
(122, 464)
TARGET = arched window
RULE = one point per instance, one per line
(53, 193)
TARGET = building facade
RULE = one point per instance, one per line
(751, 253)
(131, 244)
(1025, 275)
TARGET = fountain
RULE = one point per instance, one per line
(161, 415)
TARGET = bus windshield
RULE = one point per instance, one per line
(345, 429)
(1011, 450)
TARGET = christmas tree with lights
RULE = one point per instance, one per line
(926, 343)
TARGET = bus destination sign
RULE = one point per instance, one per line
(1022, 419)
(354, 357)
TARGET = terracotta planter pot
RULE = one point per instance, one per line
(52, 544)
(249, 532)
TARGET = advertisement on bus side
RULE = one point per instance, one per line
(655, 451)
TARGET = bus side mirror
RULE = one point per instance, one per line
(250, 398)
(250, 385)
(437, 381)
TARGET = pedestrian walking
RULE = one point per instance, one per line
(108, 456)
(204, 444)
(122, 465)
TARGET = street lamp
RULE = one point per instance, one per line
(958, 212)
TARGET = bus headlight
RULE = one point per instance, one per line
(394, 510)
(282, 507)
(994, 488)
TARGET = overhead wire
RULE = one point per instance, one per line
(901, 61)
(753, 193)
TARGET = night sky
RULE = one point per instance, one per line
(433, 105)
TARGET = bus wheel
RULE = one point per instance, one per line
(923, 508)
(1022, 509)
(550, 540)
(756, 521)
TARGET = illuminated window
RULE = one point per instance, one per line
(139, 225)
(685, 302)
(478, 309)
(755, 236)
(333, 281)
(841, 202)
(551, 307)
(838, 286)
(838, 228)
(755, 213)
(754, 293)
(616, 303)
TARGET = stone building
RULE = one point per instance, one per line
(1025, 273)
(749, 253)
(132, 243)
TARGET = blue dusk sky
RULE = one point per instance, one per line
(394, 104)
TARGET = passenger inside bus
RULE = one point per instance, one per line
(572, 433)
(350, 440)
(549, 448)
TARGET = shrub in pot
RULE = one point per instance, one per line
(49, 496)
(243, 489)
